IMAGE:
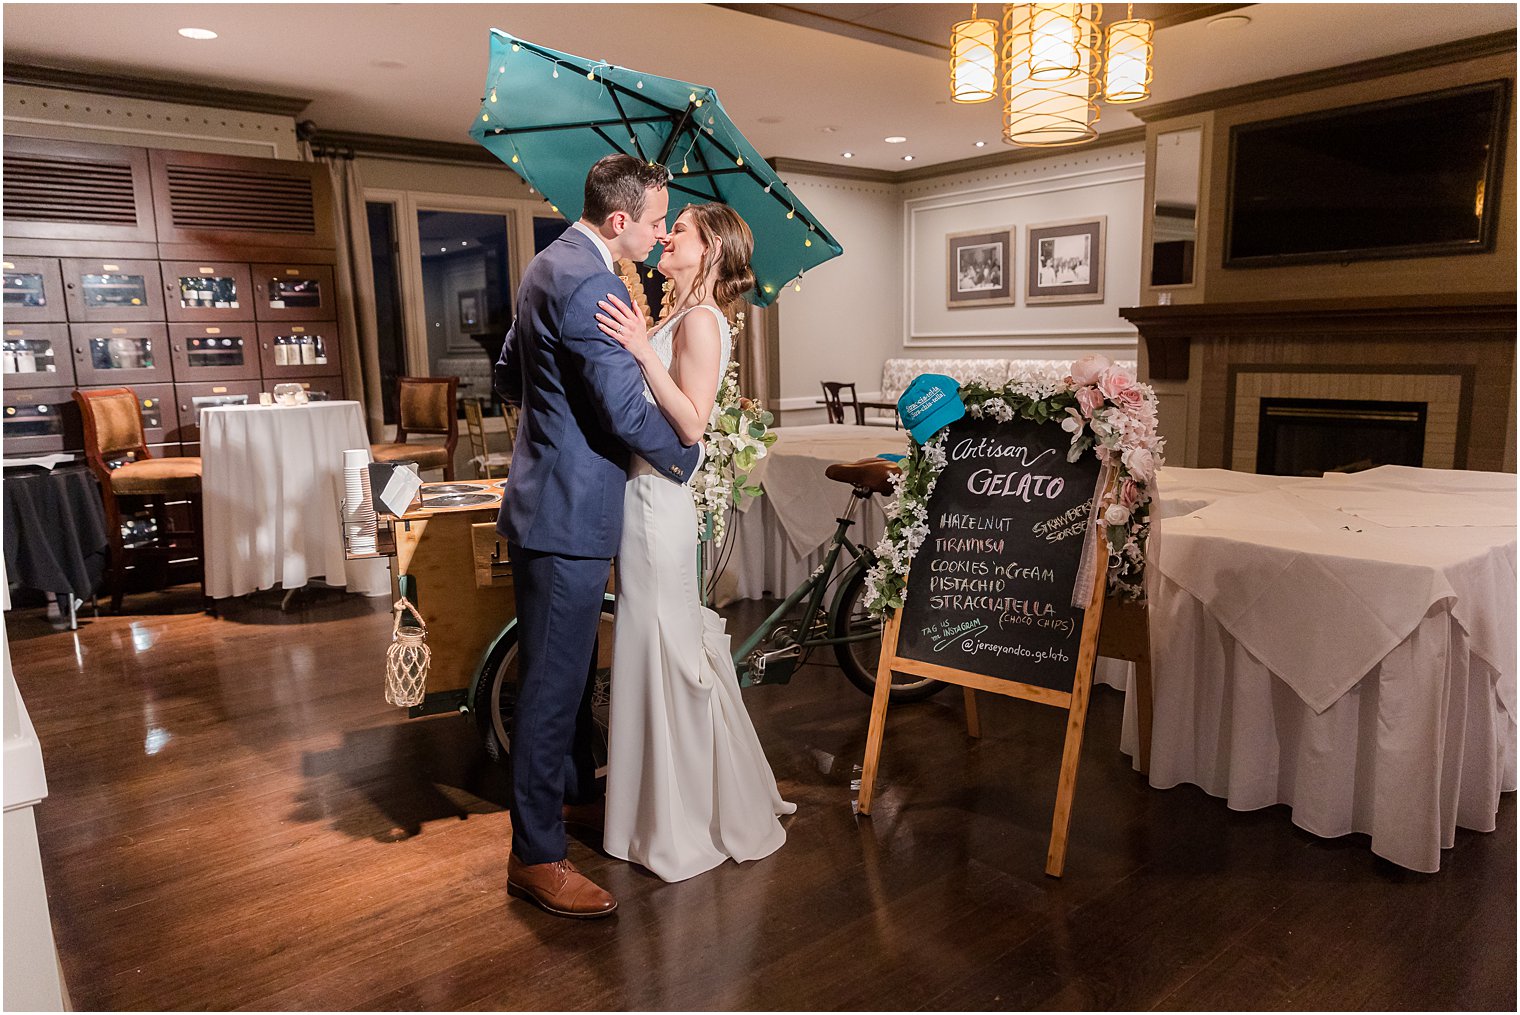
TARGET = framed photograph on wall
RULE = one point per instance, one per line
(1066, 262)
(980, 268)
(471, 307)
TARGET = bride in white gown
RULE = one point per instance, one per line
(688, 785)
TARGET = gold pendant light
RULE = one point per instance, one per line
(973, 59)
(1050, 81)
(1127, 66)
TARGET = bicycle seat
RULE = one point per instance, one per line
(873, 474)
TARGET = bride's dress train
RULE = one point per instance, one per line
(688, 785)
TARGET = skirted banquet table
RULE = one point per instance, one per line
(271, 479)
(778, 539)
(1344, 646)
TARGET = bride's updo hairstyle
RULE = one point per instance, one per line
(729, 246)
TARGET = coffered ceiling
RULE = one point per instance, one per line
(803, 81)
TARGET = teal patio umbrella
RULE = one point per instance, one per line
(550, 115)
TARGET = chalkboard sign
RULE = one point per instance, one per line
(990, 588)
(988, 597)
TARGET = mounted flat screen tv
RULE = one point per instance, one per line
(1412, 177)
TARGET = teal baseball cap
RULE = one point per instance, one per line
(930, 403)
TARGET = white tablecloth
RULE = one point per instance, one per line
(1345, 646)
(778, 539)
(271, 479)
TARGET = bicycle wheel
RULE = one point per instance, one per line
(495, 694)
(858, 659)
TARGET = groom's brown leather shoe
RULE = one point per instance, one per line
(558, 888)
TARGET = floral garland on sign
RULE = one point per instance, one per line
(737, 438)
(1105, 411)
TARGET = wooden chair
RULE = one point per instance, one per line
(835, 403)
(424, 405)
(488, 464)
(118, 455)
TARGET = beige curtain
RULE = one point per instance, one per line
(757, 348)
(358, 337)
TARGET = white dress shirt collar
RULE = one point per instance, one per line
(601, 244)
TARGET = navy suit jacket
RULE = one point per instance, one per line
(583, 409)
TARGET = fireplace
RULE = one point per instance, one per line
(1218, 367)
(1312, 436)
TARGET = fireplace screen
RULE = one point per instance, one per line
(1313, 436)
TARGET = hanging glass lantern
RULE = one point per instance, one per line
(973, 59)
(1127, 67)
(1045, 113)
(407, 660)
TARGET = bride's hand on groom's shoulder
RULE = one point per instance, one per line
(626, 326)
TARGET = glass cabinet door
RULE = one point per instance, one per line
(120, 353)
(293, 292)
(112, 290)
(298, 350)
(190, 399)
(201, 291)
(212, 352)
(41, 420)
(37, 356)
(33, 290)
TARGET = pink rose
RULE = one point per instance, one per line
(1114, 381)
(1087, 369)
(1141, 464)
(1089, 399)
(1129, 494)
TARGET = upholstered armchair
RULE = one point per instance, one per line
(118, 455)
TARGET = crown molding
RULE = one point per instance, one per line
(389, 146)
(785, 165)
(1495, 44)
(180, 91)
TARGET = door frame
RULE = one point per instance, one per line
(407, 203)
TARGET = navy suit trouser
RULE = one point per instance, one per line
(559, 605)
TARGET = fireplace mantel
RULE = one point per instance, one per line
(1168, 332)
(1454, 353)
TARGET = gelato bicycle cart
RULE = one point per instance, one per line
(451, 566)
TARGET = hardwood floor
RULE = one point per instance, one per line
(237, 820)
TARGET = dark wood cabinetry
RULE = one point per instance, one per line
(37, 356)
(293, 292)
(207, 291)
(109, 355)
(192, 278)
(33, 290)
(118, 289)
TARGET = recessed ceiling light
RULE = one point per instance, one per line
(894, 139)
(847, 155)
(1230, 21)
(197, 33)
(907, 158)
(981, 144)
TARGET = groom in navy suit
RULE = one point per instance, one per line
(583, 414)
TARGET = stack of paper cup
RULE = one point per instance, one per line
(358, 506)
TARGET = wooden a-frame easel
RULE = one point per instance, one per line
(1075, 702)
